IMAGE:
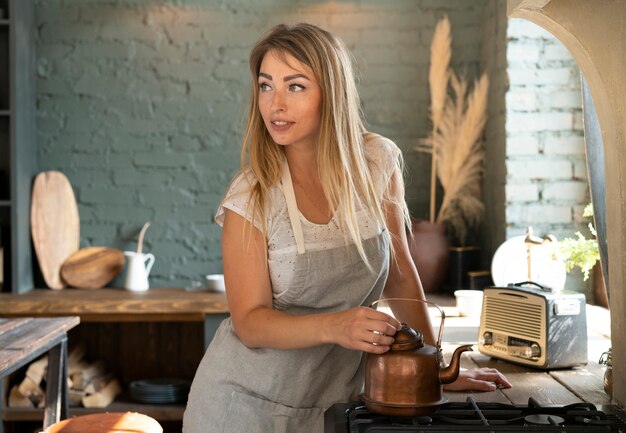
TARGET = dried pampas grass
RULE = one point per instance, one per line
(456, 142)
(438, 75)
(439, 71)
(460, 157)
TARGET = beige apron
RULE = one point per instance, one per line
(243, 390)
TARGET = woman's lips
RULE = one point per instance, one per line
(280, 125)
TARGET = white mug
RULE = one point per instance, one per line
(137, 271)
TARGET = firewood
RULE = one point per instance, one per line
(17, 399)
(97, 383)
(76, 367)
(30, 389)
(104, 397)
(83, 376)
(37, 370)
(75, 397)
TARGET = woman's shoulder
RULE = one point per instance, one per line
(379, 147)
(242, 183)
(238, 198)
(381, 151)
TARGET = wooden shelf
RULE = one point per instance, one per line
(160, 412)
(115, 305)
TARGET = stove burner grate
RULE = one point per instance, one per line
(487, 417)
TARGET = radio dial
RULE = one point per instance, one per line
(535, 351)
(486, 339)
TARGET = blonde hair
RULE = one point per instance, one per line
(346, 179)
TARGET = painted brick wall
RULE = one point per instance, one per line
(546, 184)
(141, 103)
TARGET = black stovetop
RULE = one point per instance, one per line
(473, 416)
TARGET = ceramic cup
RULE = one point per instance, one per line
(215, 282)
(469, 302)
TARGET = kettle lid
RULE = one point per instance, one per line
(407, 338)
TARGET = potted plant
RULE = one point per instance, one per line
(458, 114)
(583, 253)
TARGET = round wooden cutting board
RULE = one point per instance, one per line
(55, 225)
(92, 267)
(111, 422)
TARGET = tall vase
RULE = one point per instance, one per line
(430, 252)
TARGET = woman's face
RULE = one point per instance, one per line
(289, 100)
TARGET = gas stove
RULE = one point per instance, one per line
(473, 416)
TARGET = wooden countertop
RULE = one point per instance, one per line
(168, 305)
(548, 387)
(552, 387)
(116, 305)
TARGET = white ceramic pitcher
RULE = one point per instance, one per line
(137, 270)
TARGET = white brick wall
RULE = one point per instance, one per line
(522, 145)
(573, 144)
(524, 122)
(522, 193)
(546, 184)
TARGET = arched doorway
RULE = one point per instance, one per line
(593, 33)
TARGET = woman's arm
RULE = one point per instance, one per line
(258, 324)
(404, 282)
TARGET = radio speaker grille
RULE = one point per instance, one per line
(512, 317)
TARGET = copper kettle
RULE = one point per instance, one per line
(408, 379)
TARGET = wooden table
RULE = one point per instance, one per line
(553, 387)
(24, 340)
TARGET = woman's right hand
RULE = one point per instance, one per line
(362, 328)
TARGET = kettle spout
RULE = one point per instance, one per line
(451, 372)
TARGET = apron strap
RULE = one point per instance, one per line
(292, 207)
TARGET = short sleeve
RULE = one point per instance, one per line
(238, 200)
(384, 157)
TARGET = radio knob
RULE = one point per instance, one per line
(535, 350)
(486, 339)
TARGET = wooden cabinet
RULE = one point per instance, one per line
(18, 147)
(158, 333)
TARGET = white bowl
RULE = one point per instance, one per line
(469, 302)
(215, 282)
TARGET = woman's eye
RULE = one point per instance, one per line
(296, 87)
(264, 87)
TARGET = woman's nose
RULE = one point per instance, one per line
(278, 102)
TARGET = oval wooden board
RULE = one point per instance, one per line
(92, 267)
(55, 225)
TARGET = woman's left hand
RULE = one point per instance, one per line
(479, 379)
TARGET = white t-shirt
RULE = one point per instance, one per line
(382, 156)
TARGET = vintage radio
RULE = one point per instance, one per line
(529, 324)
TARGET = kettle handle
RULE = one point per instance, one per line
(443, 315)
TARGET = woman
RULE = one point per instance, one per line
(313, 232)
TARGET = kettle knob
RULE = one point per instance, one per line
(407, 338)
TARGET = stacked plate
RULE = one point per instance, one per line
(160, 391)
